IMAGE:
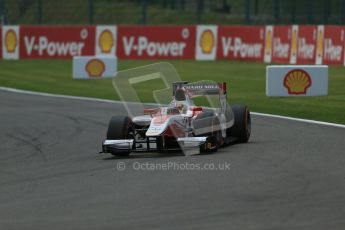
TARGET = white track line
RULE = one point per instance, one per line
(13, 90)
(299, 119)
(118, 102)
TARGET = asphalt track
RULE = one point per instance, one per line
(290, 176)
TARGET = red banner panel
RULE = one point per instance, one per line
(156, 42)
(241, 42)
(56, 42)
(333, 45)
(306, 48)
(281, 44)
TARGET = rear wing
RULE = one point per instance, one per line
(200, 89)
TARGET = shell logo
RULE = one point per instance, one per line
(319, 44)
(95, 68)
(297, 81)
(106, 41)
(268, 42)
(207, 41)
(11, 41)
(294, 42)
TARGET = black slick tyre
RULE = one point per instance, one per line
(120, 127)
(242, 126)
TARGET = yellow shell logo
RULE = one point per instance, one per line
(319, 44)
(95, 68)
(294, 42)
(207, 41)
(11, 41)
(268, 42)
(297, 81)
(106, 41)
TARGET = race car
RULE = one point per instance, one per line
(181, 125)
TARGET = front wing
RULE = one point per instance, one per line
(188, 145)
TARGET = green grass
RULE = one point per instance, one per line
(246, 83)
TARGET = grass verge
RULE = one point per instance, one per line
(246, 83)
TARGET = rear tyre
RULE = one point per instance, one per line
(242, 126)
(120, 127)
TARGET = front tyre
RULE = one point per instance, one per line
(242, 126)
(120, 127)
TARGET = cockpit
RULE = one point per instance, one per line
(181, 101)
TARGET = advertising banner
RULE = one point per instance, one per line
(56, 42)
(319, 44)
(241, 43)
(294, 44)
(94, 67)
(296, 80)
(1, 42)
(268, 44)
(333, 45)
(281, 44)
(306, 49)
(156, 42)
(10, 42)
(206, 43)
(106, 37)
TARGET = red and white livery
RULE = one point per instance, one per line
(181, 125)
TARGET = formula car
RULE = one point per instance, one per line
(181, 125)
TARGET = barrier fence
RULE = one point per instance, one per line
(157, 12)
(293, 44)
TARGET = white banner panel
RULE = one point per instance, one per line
(10, 42)
(320, 44)
(296, 80)
(94, 67)
(268, 44)
(106, 37)
(206, 42)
